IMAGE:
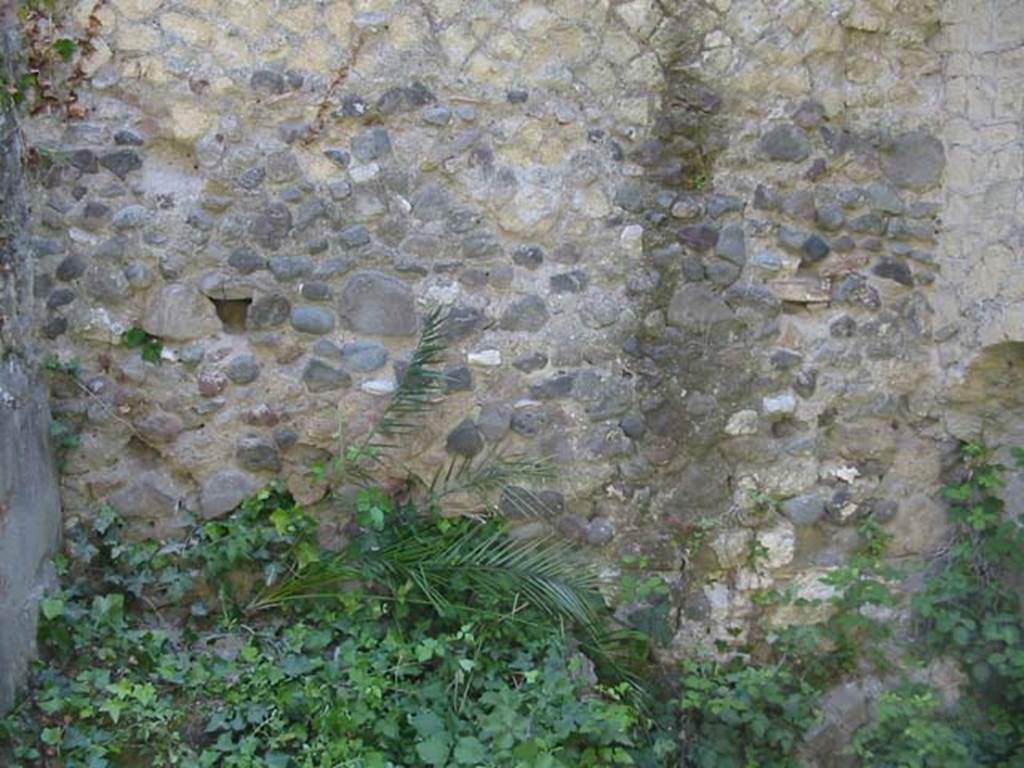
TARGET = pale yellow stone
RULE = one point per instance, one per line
(633, 110)
(407, 31)
(569, 41)
(732, 547)
(302, 19)
(591, 202)
(534, 19)
(370, 6)
(600, 76)
(250, 16)
(318, 168)
(188, 120)
(193, 31)
(137, 38)
(87, 10)
(618, 47)
(458, 43)
(480, 67)
(641, 16)
(532, 210)
(553, 151)
(645, 71)
(136, 9)
(230, 51)
(148, 68)
(337, 18)
(221, 86)
(100, 55)
(318, 56)
(505, 46)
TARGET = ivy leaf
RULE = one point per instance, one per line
(434, 751)
(151, 351)
(65, 48)
(470, 751)
(134, 337)
(52, 607)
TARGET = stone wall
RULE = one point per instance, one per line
(706, 255)
(29, 502)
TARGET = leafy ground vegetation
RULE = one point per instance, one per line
(436, 640)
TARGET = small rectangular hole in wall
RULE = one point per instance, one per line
(232, 313)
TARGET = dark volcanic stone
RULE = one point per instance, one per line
(371, 144)
(71, 268)
(121, 162)
(271, 226)
(405, 98)
(246, 260)
(529, 256)
(363, 356)
(458, 378)
(574, 281)
(251, 178)
(258, 454)
(321, 377)
(465, 440)
(558, 386)
(243, 368)
(531, 362)
(462, 322)
(891, 269)
(786, 143)
(85, 160)
(59, 298)
(287, 269)
(731, 245)
(128, 138)
(700, 238)
(268, 312)
(813, 250)
(268, 81)
(914, 160)
(529, 313)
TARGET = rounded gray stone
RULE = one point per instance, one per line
(914, 160)
(258, 454)
(271, 225)
(379, 304)
(529, 313)
(106, 283)
(131, 217)
(243, 368)
(363, 356)
(224, 490)
(494, 421)
(465, 440)
(599, 531)
(268, 312)
(313, 320)
(786, 143)
(287, 269)
(318, 376)
(804, 510)
(71, 268)
(732, 245)
(371, 144)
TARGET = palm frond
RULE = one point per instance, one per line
(489, 473)
(421, 382)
